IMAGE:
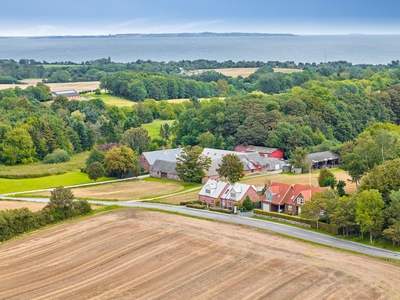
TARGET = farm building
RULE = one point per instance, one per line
(283, 197)
(263, 151)
(325, 159)
(70, 94)
(227, 194)
(253, 162)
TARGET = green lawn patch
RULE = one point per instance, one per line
(154, 128)
(109, 99)
(39, 169)
(28, 184)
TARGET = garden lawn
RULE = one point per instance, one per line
(20, 185)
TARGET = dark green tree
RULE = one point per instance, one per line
(191, 164)
(95, 171)
(231, 168)
(120, 161)
(137, 139)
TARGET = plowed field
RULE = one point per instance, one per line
(133, 254)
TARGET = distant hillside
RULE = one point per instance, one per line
(140, 35)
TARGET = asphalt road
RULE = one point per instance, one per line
(271, 226)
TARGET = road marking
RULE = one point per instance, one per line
(348, 246)
(301, 233)
(326, 241)
(278, 228)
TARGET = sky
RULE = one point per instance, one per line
(99, 17)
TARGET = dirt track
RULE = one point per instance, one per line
(133, 254)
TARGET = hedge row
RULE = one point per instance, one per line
(222, 210)
(17, 221)
(285, 217)
(198, 206)
(189, 202)
(298, 221)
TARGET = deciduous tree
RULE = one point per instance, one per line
(191, 164)
(120, 161)
(231, 167)
(95, 171)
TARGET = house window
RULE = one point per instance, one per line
(229, 204)
(289, 208)
(233, 195)
(212, 201)
(204, 199)
(300, 201)
(208, 191)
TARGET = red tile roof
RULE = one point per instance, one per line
(286, 193)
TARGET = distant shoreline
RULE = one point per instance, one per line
(161, 35)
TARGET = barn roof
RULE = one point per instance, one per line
(67, 93)
(163, 166)
(322, 156)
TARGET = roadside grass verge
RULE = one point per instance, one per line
(39, 169)
(379, 243)
(8, 186)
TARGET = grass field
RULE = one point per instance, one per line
(111, 100)
(20, 185)
(154, 127)
(39, 169)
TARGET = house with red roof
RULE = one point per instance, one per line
(263, 151)
(283, 197)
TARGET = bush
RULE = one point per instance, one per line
(198, 206)
(222, 210)
(58, 156)
(248, 204)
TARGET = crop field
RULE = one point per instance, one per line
(33, 206)
(77, 86)
(286, 70)
(110, 99)
(300, 178)
(135, 254)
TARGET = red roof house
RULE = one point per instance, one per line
(263, 151)
(283, 197)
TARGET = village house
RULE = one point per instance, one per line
(227, 194)
(283, 197)
(70, 94)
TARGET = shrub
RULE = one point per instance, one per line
(58, 156)
(198, 206)
(247, 204)
(222, 210)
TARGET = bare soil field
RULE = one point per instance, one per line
(300, 178)
(33, 206)
(77, 86)
(133, 254)
(129, 190)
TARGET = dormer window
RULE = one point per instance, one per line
(233, 195)
(300, 201)
(208, 191)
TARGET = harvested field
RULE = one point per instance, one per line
(235, 72)
(129, 190)
(33, 206)
(286, 70)
(300, 178)
(77, 86)
(133, 254)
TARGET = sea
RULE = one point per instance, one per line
(357, 49)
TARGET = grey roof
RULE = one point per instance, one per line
(67, 93)
(321, 156)
(163, 166)
(261, 149)
(166, 155)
